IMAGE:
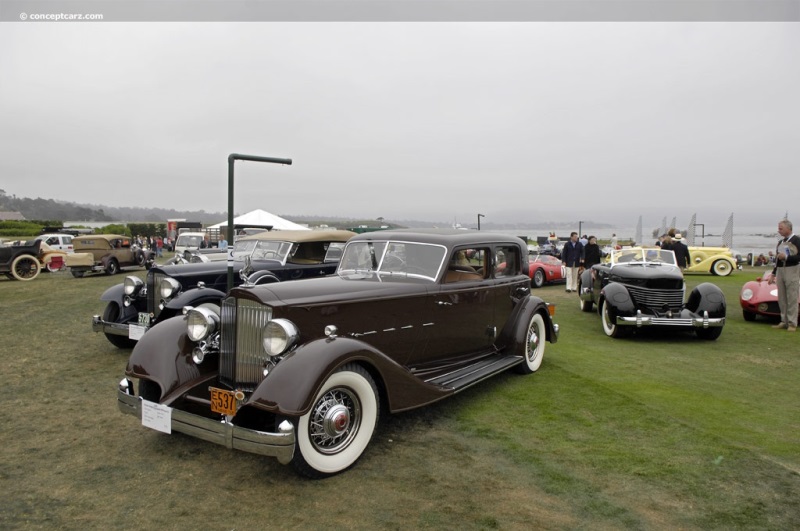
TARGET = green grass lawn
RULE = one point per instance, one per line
(707, 430)
(656, 431)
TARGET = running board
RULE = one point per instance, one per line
(471, 374)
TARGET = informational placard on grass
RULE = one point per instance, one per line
(156, 416)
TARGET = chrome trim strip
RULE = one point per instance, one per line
(697, 322)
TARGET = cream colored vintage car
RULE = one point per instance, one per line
(106, 253)
(718, 261)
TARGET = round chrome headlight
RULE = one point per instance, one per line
(169, 287)
(279, 335)
(132, 285)
(200, 323)
(747, 294)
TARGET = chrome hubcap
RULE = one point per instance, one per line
(334, 421)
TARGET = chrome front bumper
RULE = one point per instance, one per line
(117, 329)
(279, 445)
(640, 320)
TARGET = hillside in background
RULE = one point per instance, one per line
(50, 209)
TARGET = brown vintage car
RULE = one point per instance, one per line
(301, 370)
(106, 253)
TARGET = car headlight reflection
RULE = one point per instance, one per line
(132, 285)
(279, 336)
(747, 294)
(201, 323)
(168, 288)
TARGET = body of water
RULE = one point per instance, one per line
(753, 239)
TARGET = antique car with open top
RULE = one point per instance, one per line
(21, 261)
(301, 371)
(135, 306)
(643, 287)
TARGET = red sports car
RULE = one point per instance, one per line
(759, 297)
(544, 269)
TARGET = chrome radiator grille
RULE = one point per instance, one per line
(153, 295)
(657, 299)
(241, 356)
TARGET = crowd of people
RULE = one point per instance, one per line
(156, 243)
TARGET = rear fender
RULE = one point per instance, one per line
(291, 386)
(516, 331)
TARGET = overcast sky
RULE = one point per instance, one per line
(521, 122)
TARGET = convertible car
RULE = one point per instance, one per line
(301, 370)
(135, 306)
(643, 287)
(759, 297)
(719, 261)
(544, 269)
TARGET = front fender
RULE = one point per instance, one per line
(194, 297)
(114, 294)
(707, 297)
(262, 277)
(164, 355)
(617, 296)
(292, 385)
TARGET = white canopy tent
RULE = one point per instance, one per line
(259, 218)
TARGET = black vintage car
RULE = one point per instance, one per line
(21, 262)
(644, 287)
(300, 370)
(134, 306)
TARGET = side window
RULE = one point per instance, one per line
(506, 262)
(52, 240)
(467, 265)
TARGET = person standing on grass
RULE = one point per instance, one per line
(572, 258)
(786, 275)
(591, 253)
(682, 255)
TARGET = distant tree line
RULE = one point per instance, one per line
(49, 209)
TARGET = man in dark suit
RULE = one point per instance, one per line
(681, 251)
(572, 258)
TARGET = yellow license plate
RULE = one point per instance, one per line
(223, 401)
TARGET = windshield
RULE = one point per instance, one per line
(408, 259)
(271, 250)
(640, 255)
(188, 241)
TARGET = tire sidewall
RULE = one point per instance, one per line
(35, 267)
(366, 393)
(536, 324)
(609, 328)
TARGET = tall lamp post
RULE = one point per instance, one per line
(580, 232)
(479, 220)
(231, 159)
